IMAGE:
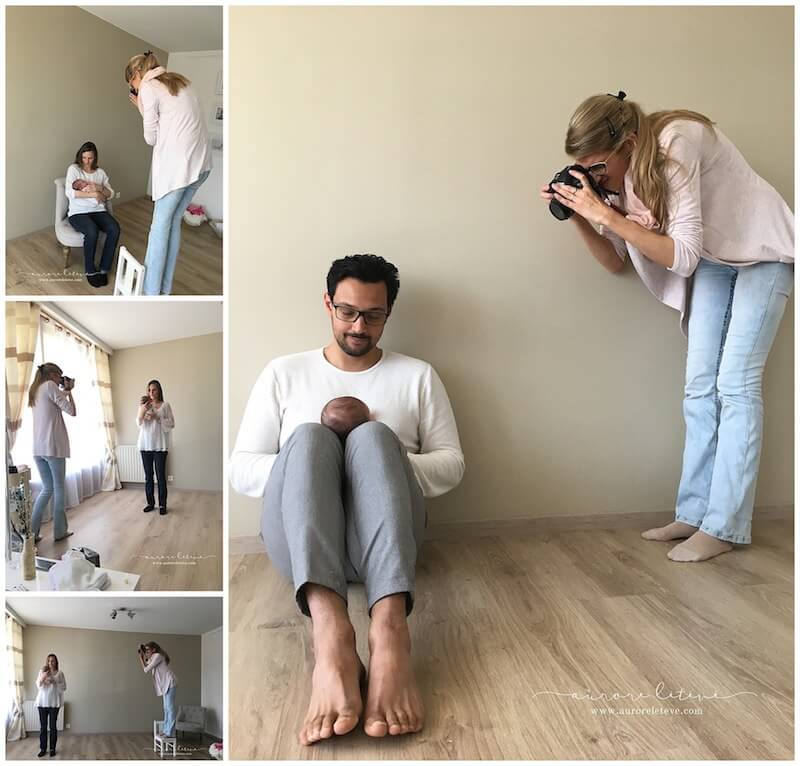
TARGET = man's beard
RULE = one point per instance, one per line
(365, 349)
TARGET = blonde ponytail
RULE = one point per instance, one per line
(144, 62)
(603, 123)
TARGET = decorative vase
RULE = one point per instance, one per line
(28, 559)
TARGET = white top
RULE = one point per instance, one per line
(163, 677)
(154, 435)
(720, 209)
(404, 393)
(51, 688)
(78, 205)
(176, 127)
(50, 437)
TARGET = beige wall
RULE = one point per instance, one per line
(212, 683)
(203, 69)
(423, 134)
(190, 372)
(106, 689)
(64, 86)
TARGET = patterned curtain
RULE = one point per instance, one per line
(15, 718)
(22, 329)
(102, 382)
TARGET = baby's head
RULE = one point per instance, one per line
(79, 184)
(343, 414)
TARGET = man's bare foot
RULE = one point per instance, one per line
(336, 703)
(674, 531)
(394, 704)
(699, 547)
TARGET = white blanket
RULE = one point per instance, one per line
(77, 574)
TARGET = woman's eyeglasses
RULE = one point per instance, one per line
(350, 314)
(601, 168)
(598, 169)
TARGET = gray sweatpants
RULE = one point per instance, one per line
(336, 513)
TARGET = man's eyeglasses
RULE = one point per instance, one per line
(350, 314)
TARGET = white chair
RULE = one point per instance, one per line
(67, 236)
(162, 743)
(130, 274)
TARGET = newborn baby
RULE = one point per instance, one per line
(80, 185)
(343, 414)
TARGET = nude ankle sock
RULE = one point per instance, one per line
(699, 547)
(674, 531)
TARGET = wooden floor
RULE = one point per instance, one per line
(179, 551)
(35, 265)
(107, 747)
(507, 626)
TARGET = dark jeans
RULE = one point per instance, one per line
(47, 715)
(90, 225)
(149, 458)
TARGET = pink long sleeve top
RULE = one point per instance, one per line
(50, 438)
(720, 210)
(163, 677)
(175, 127)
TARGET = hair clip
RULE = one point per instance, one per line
(620, 95)
(148, 53)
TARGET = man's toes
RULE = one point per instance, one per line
(305, 734)
(326, 726)
(345, 722)
(413, 722)
(403, 720)
(395, 727)
(376, 726)
(313, 729)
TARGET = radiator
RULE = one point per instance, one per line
(129, 461)
(31, 713)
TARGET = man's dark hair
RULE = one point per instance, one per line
(365, 268)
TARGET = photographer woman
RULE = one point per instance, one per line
(155, 421)
(694, 217)
(50, 396)
(87, 187)
(175, 127)
(155, 660)
(51, 685)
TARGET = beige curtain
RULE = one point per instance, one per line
(15, 718)
(103, 383)
(22, 329)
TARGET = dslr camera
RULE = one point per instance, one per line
(141, 649)
(565, 177)
(66, 383)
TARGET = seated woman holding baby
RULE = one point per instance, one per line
(88, 189)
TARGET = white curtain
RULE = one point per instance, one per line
(86, 466)
(102, 382)
(22, 328)
(15, 718)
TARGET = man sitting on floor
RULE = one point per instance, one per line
(338, 511)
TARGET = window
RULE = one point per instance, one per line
(75, 356)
